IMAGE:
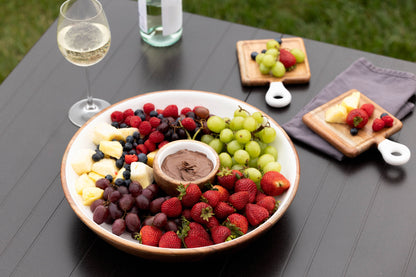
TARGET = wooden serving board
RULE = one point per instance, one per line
(338, 134)
(249, 69)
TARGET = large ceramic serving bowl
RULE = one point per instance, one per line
(217, 104)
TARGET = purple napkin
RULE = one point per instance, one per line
(391, 89)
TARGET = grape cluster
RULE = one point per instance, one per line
(127, 209)
(243, 143)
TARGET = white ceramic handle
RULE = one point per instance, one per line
(394, 153)
(278, 96)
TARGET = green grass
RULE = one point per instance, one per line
(381, 27)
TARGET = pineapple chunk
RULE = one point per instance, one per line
(141, 173)
(90, 194)
(111, 148)
(82, 161)
(125, 132)
(104, 131)
(151, 157)
(95, 176)
(105, 166)
(352, 101)
(83, 182)
(336, 114)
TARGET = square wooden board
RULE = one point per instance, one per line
(249, 69)
(338, 134)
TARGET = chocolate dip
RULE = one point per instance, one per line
(186, 165)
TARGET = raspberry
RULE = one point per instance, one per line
(156, 137)
(128, 159)
(140, 148)
(150, 145)
(388, 121)
(128, 112)
(117, 116)
(378, 124)
(170, 111)
(135, 121)
(188, 123)
(154, 121)
(145, 128)
(163, 143)
(186, 110)
(369, 108)
(148, 107)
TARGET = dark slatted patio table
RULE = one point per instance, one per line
(350, 218)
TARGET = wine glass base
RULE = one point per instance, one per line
(80, 113)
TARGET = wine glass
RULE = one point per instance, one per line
(84, 39)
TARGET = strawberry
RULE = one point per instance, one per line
(273, 183)
(194, 235)
(357, 118)
(196, 241)
(256, 214)
(212, 222)
(237, 220)
(212, 197)
(287, 59)
(186, 213)
(150, 235)
(239, 199)
(388, 121)
(172, 207)
(201, 212)
(378, 124)
(223, 209)
(224, 194)
(369, 108)
(269, 203)
(248, 185)
(227, 177)
(259, 196)
(170, 240)
(196, 229)
(220, 234)
(189, 194)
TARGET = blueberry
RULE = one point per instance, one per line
(130, 139)
(126, 174)
(127, 182)
(124, 125)
(142, 157)
(115, 124)
(354, 131)
(153, 113)
(279, 40)
(132, 152)
(119, 182)
(383, 115)
(263, 51)
(128, 146)
(138, 112)
(98, 155)
(140, 141)
(254, 55)
(120, 163)
(127, 167)
(160, 116)
(122, 142)
(109, 178)
(136, 135)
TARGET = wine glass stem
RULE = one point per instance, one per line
(90, 102)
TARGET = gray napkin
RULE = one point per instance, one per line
(391, 89)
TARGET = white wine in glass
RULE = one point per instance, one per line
(84, 39)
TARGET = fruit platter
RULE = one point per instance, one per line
(108, 178)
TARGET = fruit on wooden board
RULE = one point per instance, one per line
(352, 101)
(336, 114)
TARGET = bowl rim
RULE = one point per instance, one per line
(146, 251)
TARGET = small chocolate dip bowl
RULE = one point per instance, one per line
(184, 162)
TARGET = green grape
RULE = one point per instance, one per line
(273, 166)
(226, 135)
(241, 157)
(250, 124)
(253, 149)
(278, 70)
(299, 55)
(262, 146)
(215, 123)
(217, 145)
(268, 134)
(272, 52)
(237, 123)
(241, 112)
(238, 167)
(225, 160)
(233, 146)
(207, 138)
(264, 69)
(272, 44)
(268, 60)
(264, 159)
(258, 117)
(252, 162)
(243, 136)
(271, 150)
(259, 58)
(254, 174)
